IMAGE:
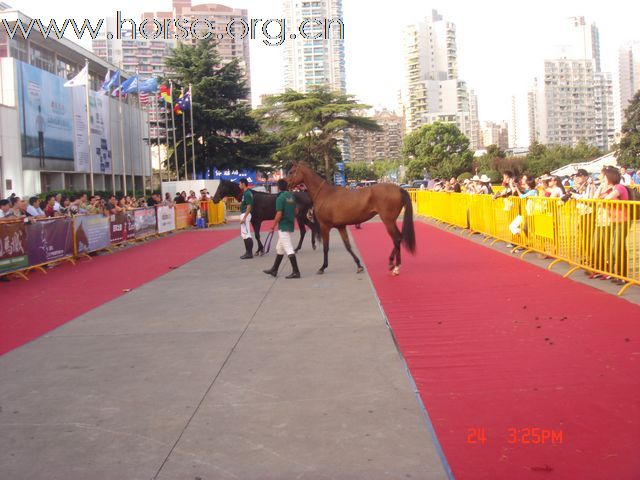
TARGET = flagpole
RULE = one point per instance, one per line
(124, 163)
(193, 140)
(157, 105)
(184, 148)
(173, 129)
(110, 147)
(133, 173)
(166, 131)
(86, 64)
(141, 132)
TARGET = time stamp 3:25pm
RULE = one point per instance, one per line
(517, 436)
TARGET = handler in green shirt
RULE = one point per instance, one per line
(285, 216)
(245, 218)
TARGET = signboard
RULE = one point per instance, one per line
(49, 240)
(91, 233)
(166, 219)
(234, 175)
(45, 114)
(100, 143)
(184, 215)
(144, 222)
(13, 247)
(118, 227)
(339, 177)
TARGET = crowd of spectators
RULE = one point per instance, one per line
(33, 208)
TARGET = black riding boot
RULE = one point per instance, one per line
(294, 265)
(276, 266)
(248, 245)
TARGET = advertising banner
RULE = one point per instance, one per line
(100, 139)
(49, 240)
(13, 247)
(118, 227)
(145, 222)
(166, 219)
(91, 232)
(130, 224)
(184, 215)
(45, 114)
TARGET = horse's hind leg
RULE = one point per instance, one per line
(396, 238)
(324, 231)
(256, 231)
(345, 239)
(303, 232)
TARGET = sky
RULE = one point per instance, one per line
(501, 44)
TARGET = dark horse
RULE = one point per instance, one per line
(264, 208)
(337, 207)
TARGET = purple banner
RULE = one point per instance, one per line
(118, 227)
(49, 240)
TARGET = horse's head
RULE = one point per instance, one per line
(296, 174)
(227, 189)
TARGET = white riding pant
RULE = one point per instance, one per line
(245, 227)
(284, 244)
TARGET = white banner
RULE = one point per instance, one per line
(166, 219)
(100, 143)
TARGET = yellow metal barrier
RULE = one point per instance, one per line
(599, 236)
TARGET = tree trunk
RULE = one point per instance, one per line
(327, 168)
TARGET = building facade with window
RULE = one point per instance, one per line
(43, 133)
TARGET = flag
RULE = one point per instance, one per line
(166, 94)
(186, 101)
(110, 81)
(148, 86)
(130, 85)
(82, 78)
(144, 98)
(178, 106)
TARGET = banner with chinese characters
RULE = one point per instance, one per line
(13, 247)
(100, 140)
(166, 219)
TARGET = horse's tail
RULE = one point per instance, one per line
(408, 232)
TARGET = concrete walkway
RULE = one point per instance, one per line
(217, 371)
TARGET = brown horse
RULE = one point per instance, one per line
(337, 207)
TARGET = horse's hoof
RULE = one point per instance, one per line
(360, 270)
(396, 271)
(320, 272)
(314, 247)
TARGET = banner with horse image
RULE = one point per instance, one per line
(91, 233)
(166, 219)
(13, 247)
(145, 222)
(49, 240)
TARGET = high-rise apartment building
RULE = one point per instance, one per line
(432, 89)
(574, 102)
(495, 134)
(385, 144)
(629, 69)
(310, 62)
(148, 55)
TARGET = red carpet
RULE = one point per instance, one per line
(32, 308)
(494, 343)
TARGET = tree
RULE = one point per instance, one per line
(629, 147)
(359, 171)
(440, 149)
(541, 158)
(310, 125)
(231, 138)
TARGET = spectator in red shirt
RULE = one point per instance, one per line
(49, 209)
